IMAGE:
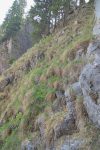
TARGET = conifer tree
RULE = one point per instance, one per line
(13, 19)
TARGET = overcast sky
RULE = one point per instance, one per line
(6, 4)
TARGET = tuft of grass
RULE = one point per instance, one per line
(33, 87)
(12, 142)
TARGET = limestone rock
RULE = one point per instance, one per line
(73, 144)
(90, 84)
(66, 127)
(80, 54)
(27, 145)
(41, 124)
(76, 89)
(93, 47)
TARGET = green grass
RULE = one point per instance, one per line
(12, 142)
(35, 93)
(13, 122)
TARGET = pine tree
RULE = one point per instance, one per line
(40, 16)
(13, 20)
(46, 14)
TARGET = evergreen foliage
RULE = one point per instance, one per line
(13, 19)
(45, 15)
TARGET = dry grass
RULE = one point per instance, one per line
(33, 90)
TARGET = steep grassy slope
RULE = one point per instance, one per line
(30, 89)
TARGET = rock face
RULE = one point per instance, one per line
(96, 30)
(13, 49)
(4, 58)
(27, 145)
(88, 87)
(90, 84)
(27, 66)
(70, 122)
(72, 144)
(68, 125)
(21, 42)
(90, 76)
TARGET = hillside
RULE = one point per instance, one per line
(35, 111)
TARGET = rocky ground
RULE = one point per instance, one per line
(50, 97)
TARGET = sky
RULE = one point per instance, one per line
(6, 4)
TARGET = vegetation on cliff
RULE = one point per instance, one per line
(32, 103)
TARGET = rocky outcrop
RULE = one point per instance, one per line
(28, 145)
(65, 117)
(89, 88)
(10, 76)
(19, 44)
(96, 29)
(68, 125)
(90, 76)
(4, 58)
(73, 144)
(90, 84)
(12, 49)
